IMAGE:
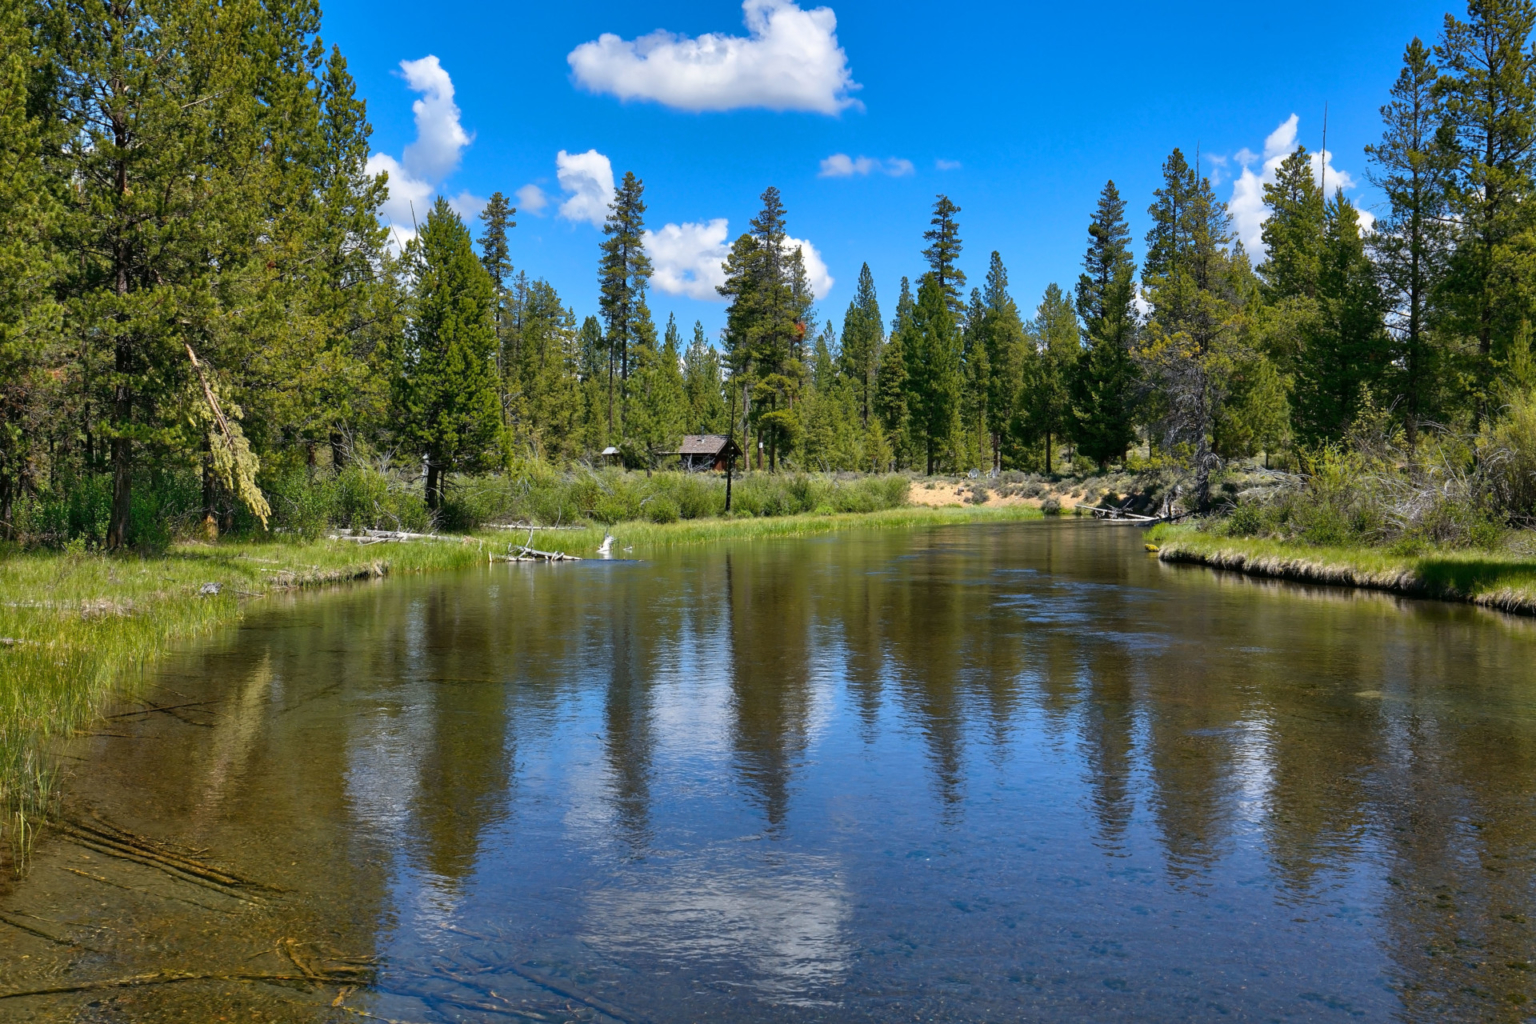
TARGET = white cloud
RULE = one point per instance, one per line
(467, 205)
(440, 141)
(841, 165)
(790, 60)
(1247, 203)
(531, 199)
(947, 165)
(686, 259)
(589, 178)
(815, 266)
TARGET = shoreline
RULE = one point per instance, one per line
(1493, 580)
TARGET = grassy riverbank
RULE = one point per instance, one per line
(75, 626)
(1505, 580)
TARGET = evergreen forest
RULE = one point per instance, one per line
(201, 313)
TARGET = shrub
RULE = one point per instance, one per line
(661, 508)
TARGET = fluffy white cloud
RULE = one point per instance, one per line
(588, 177)
(440, 138)
(440, 141)
(815, 267)
(467, 205)
(790, 60)
(687, 259)
(841, 165)
(1247, 203)
(531, 199)
(947, 165)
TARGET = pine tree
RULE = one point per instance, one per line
(1347, 351)
(623, 271)
(1008, 353)
(975, 383)
(771, 303)
(544, 383)
(496, 257)
(891, 379)
(1104, 378)
(943, 251)
(1293, 233)
(863, 333)
(445, 386)
(1194, 280)
(1168, 238)
(1488, 86)
(1045, 407)
(591, 368)
(932, 350)
(29, 267)
(1411, 245)
(704, 387)
(655, 409)
(164, 216)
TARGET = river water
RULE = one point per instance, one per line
(1017, 772)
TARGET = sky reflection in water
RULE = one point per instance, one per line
(989, 773)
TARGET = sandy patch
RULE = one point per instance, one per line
(944, 494)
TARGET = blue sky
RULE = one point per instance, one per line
(859, 113)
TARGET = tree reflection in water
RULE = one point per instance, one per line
(987, 773)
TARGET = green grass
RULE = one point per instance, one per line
(1496, 579)
(78, 627)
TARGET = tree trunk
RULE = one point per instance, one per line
(210, 492)
(434, 487)
(1047, 452)
(6, 499)
(122, 451)
(338, 451)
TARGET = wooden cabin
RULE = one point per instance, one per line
(702, 453)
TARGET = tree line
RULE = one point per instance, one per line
(195, 287)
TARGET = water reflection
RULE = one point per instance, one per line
(968, 774)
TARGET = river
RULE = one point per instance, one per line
(1010, 772)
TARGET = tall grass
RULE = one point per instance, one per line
(74, 625)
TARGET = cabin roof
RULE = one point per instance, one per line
(704, 444)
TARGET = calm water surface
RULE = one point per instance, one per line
(992, 773)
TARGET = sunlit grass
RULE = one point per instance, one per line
(1497, 579)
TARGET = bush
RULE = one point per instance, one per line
(660, 508)
(1507, 451)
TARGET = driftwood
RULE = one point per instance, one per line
(1118, 515)
(397, 536)
(528, 526)
(526, 552)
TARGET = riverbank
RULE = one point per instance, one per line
(1499, 580)
(78, 627)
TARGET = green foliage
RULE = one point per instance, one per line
(1044, 414)
(445, 379)
(932, 349)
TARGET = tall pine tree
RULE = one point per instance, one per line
(445, 389)
(1104, 379)
(622, 274)
(1411, 246)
